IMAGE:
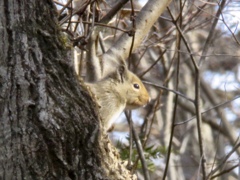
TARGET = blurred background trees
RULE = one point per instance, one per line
(189, 61)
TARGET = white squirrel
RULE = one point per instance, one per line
(118, 91)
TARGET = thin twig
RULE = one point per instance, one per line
(140, 151)
(113, 11)
(80, 10)
(130, 140)
(224, 159)
(143, 53)
(93, 22)
(197, 97)
(233, 35)
(132, 32)
(211, 33)
(101, 42)
(158, 59)
(156, 106)
(174, 111)
(225, 171)
(167, 89)
(71, 11)
(105, 25)
(212, 97)
(216, 152)
(209, 109)
(65, 6)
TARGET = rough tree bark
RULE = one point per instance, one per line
(49, 128)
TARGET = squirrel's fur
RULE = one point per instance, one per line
(118, 91)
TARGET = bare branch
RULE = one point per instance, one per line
(140, 150)
(222, 163)
(197, 97)
(211, 33)
(144, 21)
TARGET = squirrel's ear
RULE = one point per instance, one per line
(122, 71)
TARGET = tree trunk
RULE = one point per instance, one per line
(49, 128)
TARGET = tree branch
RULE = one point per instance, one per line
(144, 21)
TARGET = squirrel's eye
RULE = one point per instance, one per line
(136, 86)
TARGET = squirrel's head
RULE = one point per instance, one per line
(132, 88)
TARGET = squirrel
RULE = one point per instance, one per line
(120, 90)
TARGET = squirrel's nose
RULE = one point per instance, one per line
(149, 99)
(146, 102)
